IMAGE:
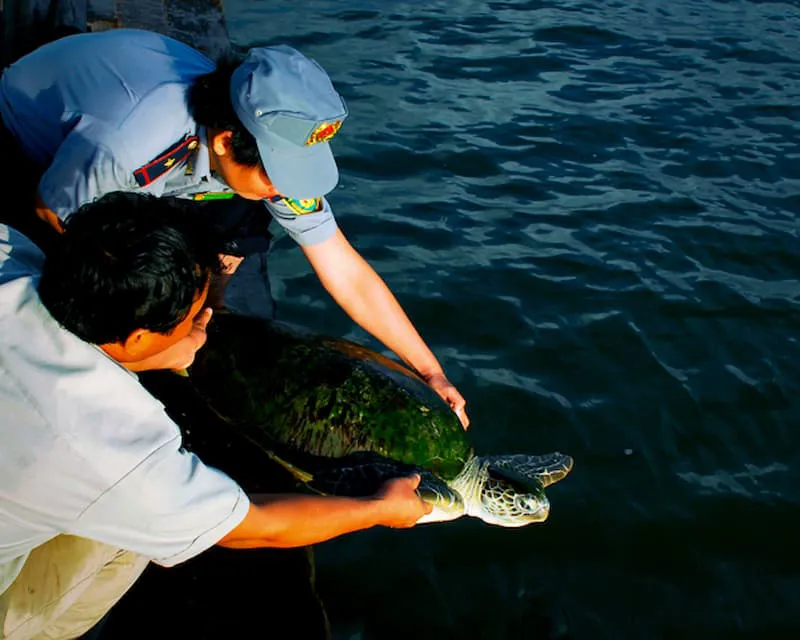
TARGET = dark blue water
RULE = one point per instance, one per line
(590, 211)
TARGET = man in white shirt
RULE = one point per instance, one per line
(94, 482)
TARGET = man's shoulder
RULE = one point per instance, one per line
(135, 104)
(119, 44)
(63, 378)
(73, 393)
(159, 121)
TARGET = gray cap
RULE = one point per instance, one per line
(288, 103)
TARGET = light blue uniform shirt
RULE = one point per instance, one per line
(91, 109)
(84, 448)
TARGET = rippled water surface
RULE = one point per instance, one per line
(589, 209)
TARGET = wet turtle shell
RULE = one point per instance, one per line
(319, 402)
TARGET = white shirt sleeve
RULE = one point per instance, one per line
(108, 467)
(170, 507)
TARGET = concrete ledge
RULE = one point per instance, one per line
(28, 23)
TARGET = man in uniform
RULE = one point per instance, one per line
(131, 110)
(94, 481)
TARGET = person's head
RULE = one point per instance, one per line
(270, 117)
(131, 272)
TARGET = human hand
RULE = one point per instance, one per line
(183, 352)
(441, 385)
(402, 506)
(229, 263)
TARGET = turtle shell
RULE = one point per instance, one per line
(296, 391)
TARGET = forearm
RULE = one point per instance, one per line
(366, 298)
(283, 521)
(382, 316)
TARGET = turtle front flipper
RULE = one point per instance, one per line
(362, 474)
(508, 490)
(530, 471)
(447, 503)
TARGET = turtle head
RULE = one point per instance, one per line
(508, 490)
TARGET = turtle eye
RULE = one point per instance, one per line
(528, 503)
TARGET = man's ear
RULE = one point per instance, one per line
(221, 142)
(130, 349)
(137, 342)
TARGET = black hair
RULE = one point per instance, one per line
(210, 105)
(125, 262)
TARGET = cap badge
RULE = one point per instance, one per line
(324, 132)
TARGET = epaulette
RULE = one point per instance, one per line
(156, 168)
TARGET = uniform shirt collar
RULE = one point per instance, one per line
(202, 164)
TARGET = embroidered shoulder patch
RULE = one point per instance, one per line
(301, 207)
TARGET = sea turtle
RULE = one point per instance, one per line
(343, 419)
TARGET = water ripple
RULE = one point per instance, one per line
(590, 211)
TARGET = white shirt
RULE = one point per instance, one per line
(84, 448)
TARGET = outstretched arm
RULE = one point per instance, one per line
(294, 520)
(364, 296)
